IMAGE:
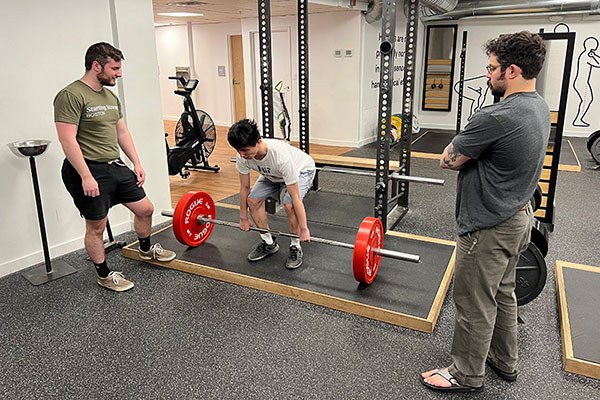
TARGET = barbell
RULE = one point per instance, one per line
(194, 218)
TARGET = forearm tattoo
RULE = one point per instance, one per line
(452, 156)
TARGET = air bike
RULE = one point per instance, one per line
(195, 135)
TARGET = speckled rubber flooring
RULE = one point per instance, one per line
(181, 336)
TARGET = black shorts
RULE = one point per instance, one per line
(117, 184)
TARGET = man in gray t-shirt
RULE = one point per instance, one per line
(507, 154)
(500, 156)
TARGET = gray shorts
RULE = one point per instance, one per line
(264, 188)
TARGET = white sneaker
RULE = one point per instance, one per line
(156, 252)
(115, 281)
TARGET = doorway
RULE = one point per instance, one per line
(237, 78)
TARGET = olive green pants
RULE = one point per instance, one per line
(486, 305)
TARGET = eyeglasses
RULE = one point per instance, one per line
(491, 68)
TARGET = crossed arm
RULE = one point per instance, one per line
(452, 159)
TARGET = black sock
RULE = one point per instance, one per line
(102, 269)
(145, 244)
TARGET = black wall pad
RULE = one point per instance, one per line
(579, 309)
(403, 293)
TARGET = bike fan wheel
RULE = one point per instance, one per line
(208, 127)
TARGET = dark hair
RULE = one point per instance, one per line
(243, 133)
(101, 52)
(523, 49)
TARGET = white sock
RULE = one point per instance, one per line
(267, 238)
(295, 242)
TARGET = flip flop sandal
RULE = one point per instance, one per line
(507, 376)
(455, 386)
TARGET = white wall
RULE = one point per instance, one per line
(172, 49)
(211, 49)
(46, 55)
(281, 70)
(334, 83)
(480, 30)
(284, 56)
(343, 102)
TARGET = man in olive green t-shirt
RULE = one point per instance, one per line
(92, 133)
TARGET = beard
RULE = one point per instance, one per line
(496, 91)
(105, 80)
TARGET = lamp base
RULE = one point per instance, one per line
(38, 275)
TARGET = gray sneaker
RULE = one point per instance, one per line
(263, 249)
(115, 281)
(295, 258)
(156, 252)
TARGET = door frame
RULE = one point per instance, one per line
(256, 95)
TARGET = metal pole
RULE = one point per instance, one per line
(201, 219)
(381, 252)
(40, 213)
(303, 131)
(266, 67)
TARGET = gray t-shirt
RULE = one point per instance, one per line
(507, 142)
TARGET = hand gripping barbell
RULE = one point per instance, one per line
(194, 219)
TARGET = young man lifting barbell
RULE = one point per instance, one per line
(279, 165)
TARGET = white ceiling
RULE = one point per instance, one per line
(220, 11)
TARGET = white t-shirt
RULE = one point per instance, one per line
(283, 162)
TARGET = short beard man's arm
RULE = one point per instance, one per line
(452, 159)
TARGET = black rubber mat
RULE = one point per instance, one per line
(400, 286)
(336, 209)
(427, 141)
(329, 208)
(432, 141)
(583, 302)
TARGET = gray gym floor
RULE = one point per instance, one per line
(181, 336)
